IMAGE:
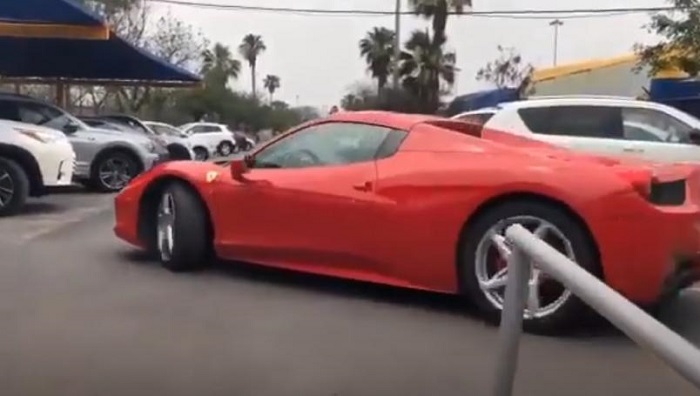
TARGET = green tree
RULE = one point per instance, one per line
(679, 46)
(250, 48)
(218, 66)
(424, 66)
(508, 71)
(377, 48)
(271, 83)
(438, 11)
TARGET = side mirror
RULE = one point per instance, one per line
(238, 168)
(70, 128)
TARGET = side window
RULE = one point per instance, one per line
(8, 110)
(330, 144)
(477, 119)
(196, 129)
(659, 126)
(210, 128)
(580, 121)
(39, 114)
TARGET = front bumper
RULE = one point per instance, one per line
(152, 160)
(57, 164)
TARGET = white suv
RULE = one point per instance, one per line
(608, 126)
(215, 137)
(33, 159)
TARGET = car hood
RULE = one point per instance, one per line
(134, 136)
(32, 127)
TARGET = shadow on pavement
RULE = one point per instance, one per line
(40, 208)
(683, 316)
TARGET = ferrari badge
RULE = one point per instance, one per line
(211, 176)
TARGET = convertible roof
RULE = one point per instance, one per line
(384, 118)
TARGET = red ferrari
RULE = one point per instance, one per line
(413, 201)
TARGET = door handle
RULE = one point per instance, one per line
(632, 150)
(365, 186)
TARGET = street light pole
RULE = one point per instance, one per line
(397, 43)
(556, 23)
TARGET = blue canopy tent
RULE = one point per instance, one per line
(681, 93)
(481, 99)
(60, 42)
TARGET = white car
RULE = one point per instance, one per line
(33, 160)
(609, 126)
(217, 138)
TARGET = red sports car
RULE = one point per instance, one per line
(412, 201)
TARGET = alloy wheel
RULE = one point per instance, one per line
(545, 295)
(7, 188)
(166, 227)
(115, 173)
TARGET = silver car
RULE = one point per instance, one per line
(106, 160)
(178, 146)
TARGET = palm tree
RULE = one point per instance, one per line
(271, 83)
(423, 66)
(378, 50)
(251, 47)
(438, 11)
(219, 66)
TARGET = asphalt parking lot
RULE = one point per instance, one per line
(83, 314)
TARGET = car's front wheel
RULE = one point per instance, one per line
(200, 154)
(112, 171)
(550, 307)
(225, 149)
(14, 187)
(182, 237)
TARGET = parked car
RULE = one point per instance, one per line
(216, 137)
(33, 160)
(608, 126)
(178, 146)
(199, 147)
(105, 159)
(415, 201)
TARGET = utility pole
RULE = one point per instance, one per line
(397, 43)
(556, 24)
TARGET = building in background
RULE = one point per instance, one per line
(613, 76)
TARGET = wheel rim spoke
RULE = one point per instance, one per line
(493, 251)
(166, 226)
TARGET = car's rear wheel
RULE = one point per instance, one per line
(14, 187)
(182, 240)
(225, 149)
(112, 171)
(550, 307)
(200, 154)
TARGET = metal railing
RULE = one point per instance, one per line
(524, 249)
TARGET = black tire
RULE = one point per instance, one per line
(567, 315)
(16, 179)
(191, 238)
(225, 149)
(200, 154)
(133, 164)
(178, 152)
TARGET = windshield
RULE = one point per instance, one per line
(163, 129)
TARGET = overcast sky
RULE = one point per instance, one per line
(317, 57)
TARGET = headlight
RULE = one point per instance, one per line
(42, 137)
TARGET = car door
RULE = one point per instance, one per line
(591, 129)
(307, 201)
(657, 136)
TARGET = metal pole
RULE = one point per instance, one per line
(511, 323)
(397, 43)
(646, 331)
(556, 23)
